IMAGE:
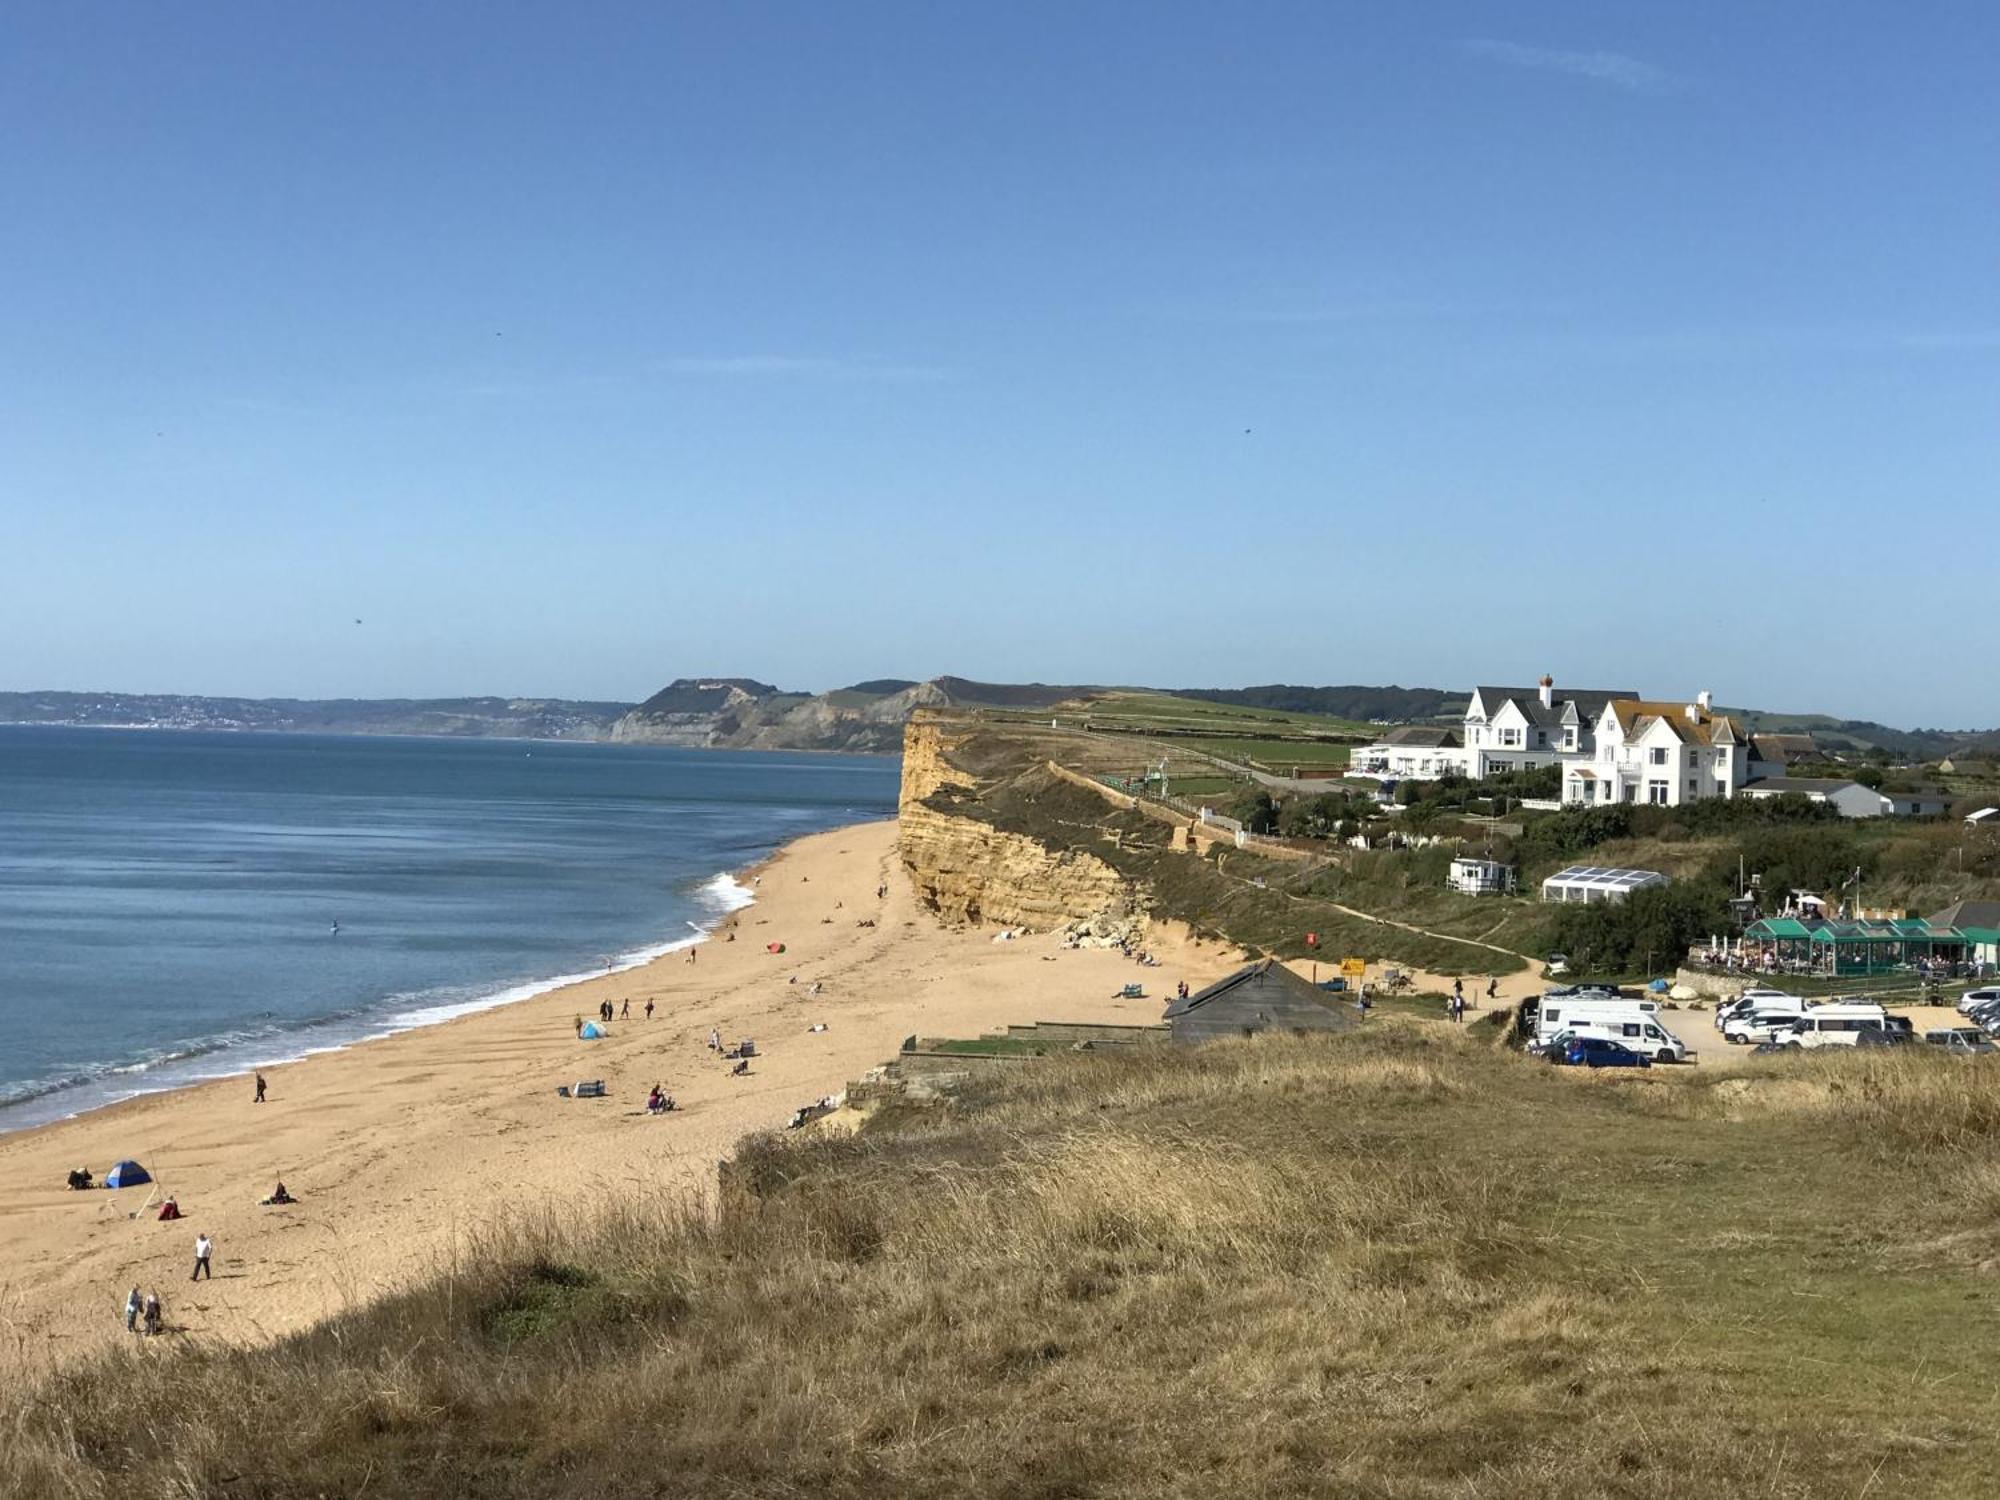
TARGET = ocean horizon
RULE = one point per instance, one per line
(181, 905)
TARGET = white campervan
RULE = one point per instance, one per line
(1631, 1023)
(1834, 1025)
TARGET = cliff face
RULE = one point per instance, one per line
(968, 871)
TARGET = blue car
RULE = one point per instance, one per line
(1599, 1052)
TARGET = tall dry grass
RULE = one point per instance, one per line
(1289, 1268)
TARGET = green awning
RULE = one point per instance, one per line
(1777, 927)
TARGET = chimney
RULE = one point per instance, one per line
(1698, 710)
(1548, 690)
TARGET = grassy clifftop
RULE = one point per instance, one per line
(1400, 1264)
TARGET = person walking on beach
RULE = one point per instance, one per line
(204, 1248)
(649, 1010)
(1492, 988)
(625, 1010)
(132, 1310)
(151, 1313)
(260, 1089)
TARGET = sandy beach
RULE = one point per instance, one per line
(400, 1150)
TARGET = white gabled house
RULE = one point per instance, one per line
(1666, 754)
(1505, 729)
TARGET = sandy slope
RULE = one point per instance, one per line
(399, 1149)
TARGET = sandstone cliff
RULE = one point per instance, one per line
(968, 870)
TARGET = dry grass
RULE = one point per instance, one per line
(1396, 1264)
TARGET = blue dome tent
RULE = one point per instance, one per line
(590, 1032)
(127, 1174)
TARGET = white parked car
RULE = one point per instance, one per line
(1760, 1025)
(1973, 1000)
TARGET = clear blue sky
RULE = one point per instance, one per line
(577, 347)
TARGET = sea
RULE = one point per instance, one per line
(182, 905)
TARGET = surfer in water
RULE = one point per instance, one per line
(335, 927)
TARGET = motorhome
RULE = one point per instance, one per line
(1633, 1023)
(1833, 1025)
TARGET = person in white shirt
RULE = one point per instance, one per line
(203, 1249)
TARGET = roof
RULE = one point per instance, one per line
(1636, 716)
(1604, 878)
(1967, 914)
(1261, 996)
(1809, 786)
(1589, 701)
(1418, 735)
(1777, 927)
(1821, 931)
(1783, 747)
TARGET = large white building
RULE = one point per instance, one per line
(1505, 729)
(1663, 753)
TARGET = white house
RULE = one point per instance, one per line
(1412, 753)
(1663, 753)
(1522, 729)
(1505, 729)
(1849, 798)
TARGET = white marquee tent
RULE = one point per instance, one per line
(1597, 883)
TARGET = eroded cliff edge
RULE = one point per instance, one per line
(959, 785)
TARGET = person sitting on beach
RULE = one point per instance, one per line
(170, 1210)
(80, 1179)
(714, 1040)
(742, 1067)
(279, 1195)
(653, 1101)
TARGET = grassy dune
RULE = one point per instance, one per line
(1399, 1264)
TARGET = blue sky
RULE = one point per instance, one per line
(574, 348)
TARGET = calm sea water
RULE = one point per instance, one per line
(168, 900)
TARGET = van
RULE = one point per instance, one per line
(1749, 1000)
(1834, 1025)
(1769, 1015)
(1631, 1023)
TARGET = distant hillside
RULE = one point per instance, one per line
(1865, 734)
(519, 718)
(1352, 702)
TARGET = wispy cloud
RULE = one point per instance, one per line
(859, 367)
(1613, 68)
